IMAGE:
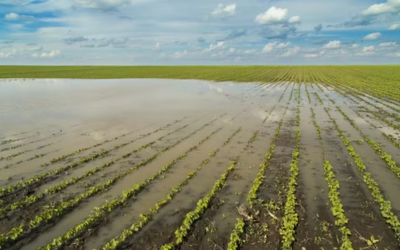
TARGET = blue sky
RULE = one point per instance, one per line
(207, 32)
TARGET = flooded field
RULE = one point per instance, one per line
(190, 164)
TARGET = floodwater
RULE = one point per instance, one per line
(117, 134)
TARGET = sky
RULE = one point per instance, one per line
(207, 32)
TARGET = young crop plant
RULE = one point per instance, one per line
(65, 207)
(290, 219)
(378, 149)
(252, 195)
(145, 218)
(42, 177)
(201, 207)
(337, 206)
(385, 206)
(234, 240)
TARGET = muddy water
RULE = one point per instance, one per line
(59, 117)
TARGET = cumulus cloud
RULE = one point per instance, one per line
(394, 27)
(332, 45)
(224, 11)
(387, 44)
(212, 47)
(311, 55)
(355, 45)
(274, 45)
(5, 54)
(373, 36)
(268, 47)
(283, 45)
(294, 19)
(318, 28)
(291, 51)
(273, 15)
(276, 23)
(391, 6)
(15, 17)
(368, 48)
(178, 55)
(50, 54)
(373, 14)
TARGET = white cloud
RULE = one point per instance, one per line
(332, 45)
(212, 47)
(5, 54)
(272, 16)
(377, 9)
(158, 46)
(15, 17)
(311, 55)
(355, 45)
(268, 47)
(283, 45)
(275, 15)
(50, 54)
(232, 50)
(294, 19)
(394, 27)
(178, 55)
(368, 48)
(291, 51)
(274, 45)
(373, 36)
(391, 6)
(387, 44)
(222, 11)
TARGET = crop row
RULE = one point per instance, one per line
(64, 207)
(201, 207)
(334, 194)
(64, 184)
(63, 157)
(290, 220)
(145, 218)
(385, 156)
(385, 206)
(41, 178)
(100, 214)
(252, 195)
(378, 149)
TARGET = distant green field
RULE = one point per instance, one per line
(382, 81)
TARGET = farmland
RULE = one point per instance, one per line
(224, 158)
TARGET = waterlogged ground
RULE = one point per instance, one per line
(189, 164)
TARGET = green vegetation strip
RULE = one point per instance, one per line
(195, 214)
(117, 241)
(54, 212)
(378, 149)
(334, 194)
(290, 220)
(252, 195)
(40, 178)
(64, 184)
(385, 206)
(337, 206)
(100, 214)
